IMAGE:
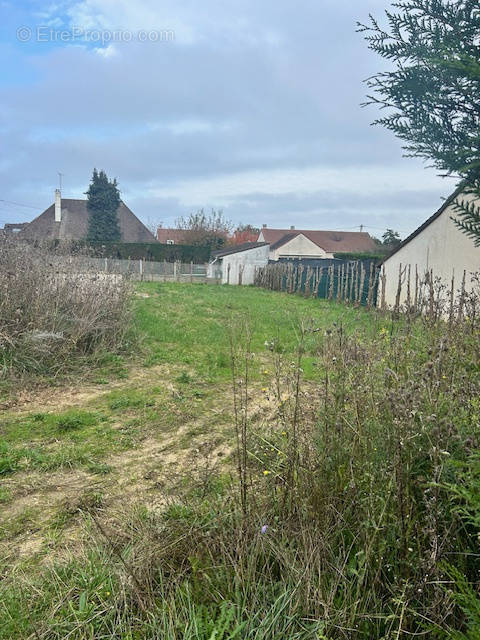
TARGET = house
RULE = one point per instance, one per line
(172, 236)
(438, 247)
(295, 243)
(67, 219)
(236, 265)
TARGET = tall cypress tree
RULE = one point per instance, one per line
(102, 204)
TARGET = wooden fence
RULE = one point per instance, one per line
(364, 283)
(415, 292)
(351, 282)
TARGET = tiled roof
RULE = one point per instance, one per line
(74, 224)
(177, 235)
(330, 241)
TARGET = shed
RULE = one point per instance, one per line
(236, 265)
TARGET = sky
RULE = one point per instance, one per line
(248, 106)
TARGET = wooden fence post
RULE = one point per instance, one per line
(461, 301)
(383, 303)
(399, 290)
(417, 293)
(371, 284)
(361, 283)
(452, 300)
(409, 300)
(431, 294)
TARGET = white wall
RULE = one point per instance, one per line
(249, 259)
(299, 247)
(442, 247)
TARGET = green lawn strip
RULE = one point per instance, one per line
(190, 324)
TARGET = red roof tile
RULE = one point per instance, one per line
(177, 235)
(330, 241)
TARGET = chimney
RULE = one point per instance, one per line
(292, 228)
(264, 226)
(58, 205)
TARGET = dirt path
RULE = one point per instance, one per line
(45, 509)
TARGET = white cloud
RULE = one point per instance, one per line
(108, 51)
(254, 107)
(365, 180)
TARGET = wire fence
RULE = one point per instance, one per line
(135, 269)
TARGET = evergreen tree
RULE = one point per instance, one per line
(432, 97)
(391, 239)
(103, 202)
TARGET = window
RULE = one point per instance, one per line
(170, 241)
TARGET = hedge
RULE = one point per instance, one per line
(361, 255)
(154, 251)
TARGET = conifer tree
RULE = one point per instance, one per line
(432, 96)
(102, 204)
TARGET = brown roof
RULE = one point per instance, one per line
(74, 224)
(179, 236)
(330, 241)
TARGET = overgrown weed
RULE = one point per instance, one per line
(353, 514)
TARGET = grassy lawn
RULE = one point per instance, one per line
(174, 391)
(190, 324)
(128, 509)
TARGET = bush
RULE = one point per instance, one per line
(51, 315)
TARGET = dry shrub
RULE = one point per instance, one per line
(52, 312)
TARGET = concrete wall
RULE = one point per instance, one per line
(440, 247)
(299, 247)
(246, 260)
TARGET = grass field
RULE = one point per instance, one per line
(121, 494)
(136, 417)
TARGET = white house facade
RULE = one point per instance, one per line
(298, 246)
(236, 265)
(438, 247)
(314, 243)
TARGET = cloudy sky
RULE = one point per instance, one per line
(250, 106)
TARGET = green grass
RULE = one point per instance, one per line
(186, 328)
(49, 441)
(190, 324)
(360, 487)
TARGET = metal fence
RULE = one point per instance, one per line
(135, 269)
